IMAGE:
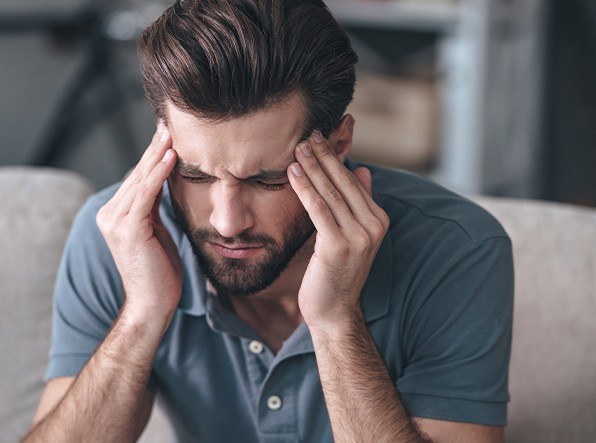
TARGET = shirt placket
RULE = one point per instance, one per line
(272, 378)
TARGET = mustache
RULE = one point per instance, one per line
(244, 238)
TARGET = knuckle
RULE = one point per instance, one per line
(385, 221)
(360, 239)
(348, 178)
(102, 218)
(303, 186)
(342, 249)
(144, 191)
(333, 194)
(309, 164)
(323, 152)
(107, 230)
(318, 204)
(377, 227)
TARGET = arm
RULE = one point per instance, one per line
(52, 394)
(361, 398)
(57, 388)
(363, 403)
(109, 399)
(86, 408)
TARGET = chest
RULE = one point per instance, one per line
(221, 387)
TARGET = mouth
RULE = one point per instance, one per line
(236, 252)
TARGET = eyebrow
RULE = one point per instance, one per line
(194, 170)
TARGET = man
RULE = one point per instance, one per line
(261, 284)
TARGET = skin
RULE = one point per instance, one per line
(321, 285)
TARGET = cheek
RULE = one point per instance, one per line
(288, 209)
(194, 199)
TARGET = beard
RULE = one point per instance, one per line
(244, 277)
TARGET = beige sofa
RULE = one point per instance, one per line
(553, 367)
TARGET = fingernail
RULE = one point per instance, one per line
(317, 136)
(161, 126)
(296, 170)
(168, 155)
(306, 150)
(164, 135)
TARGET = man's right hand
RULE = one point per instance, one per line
(85, 407)
(145, 254)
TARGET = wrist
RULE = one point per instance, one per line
(133, 339)
(143, 318)
(339, 328)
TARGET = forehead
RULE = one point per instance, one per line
(262, 140)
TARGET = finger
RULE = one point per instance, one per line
(161, 232)
(323, 168)
(160, 143)
(342, 177)
(313, 202)
(155, 150)
(345, 180)
(126, 195)
(155, 216)
(149, 189)
(342, 213)
(363, 176)
(159, 136)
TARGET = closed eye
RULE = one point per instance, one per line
(259, 183)
(197, 179)
(271, 186)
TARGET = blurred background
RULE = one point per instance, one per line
(493, 97)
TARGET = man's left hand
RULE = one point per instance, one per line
(350, 228)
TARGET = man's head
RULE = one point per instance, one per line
(222, 59)
(239, 84)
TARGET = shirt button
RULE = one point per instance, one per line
(256, 347)
(274, 403)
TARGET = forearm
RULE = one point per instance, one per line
(104, 401)
(362, 402)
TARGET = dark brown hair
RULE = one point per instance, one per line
(222, 59)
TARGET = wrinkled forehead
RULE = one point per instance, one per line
(241, 146)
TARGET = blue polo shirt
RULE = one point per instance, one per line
(437, 302)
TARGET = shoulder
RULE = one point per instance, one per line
(439, 241)
(415, 203)
(93, 204)
(447, 334)
(87, 291)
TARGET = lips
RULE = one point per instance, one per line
(235, 252)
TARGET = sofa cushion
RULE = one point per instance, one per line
(552, 377)
(37, 209)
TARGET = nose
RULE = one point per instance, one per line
(231, 214)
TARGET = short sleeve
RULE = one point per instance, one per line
(87, 294)
(458, 341)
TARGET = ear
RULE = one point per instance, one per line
(340, 140)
